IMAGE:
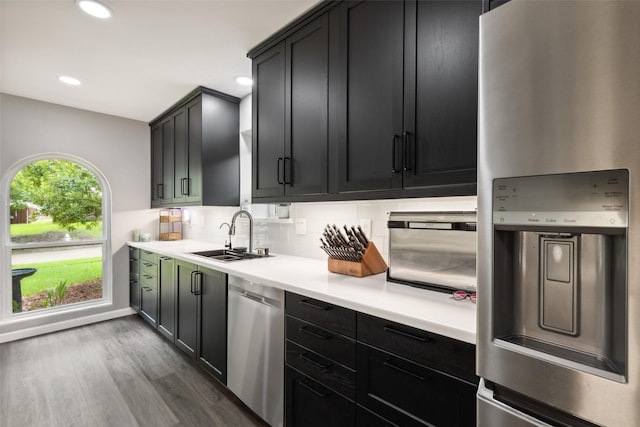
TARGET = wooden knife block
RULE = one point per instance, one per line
(372, 263)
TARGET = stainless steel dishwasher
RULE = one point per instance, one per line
(255, 347)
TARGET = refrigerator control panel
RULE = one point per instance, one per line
(582, 199)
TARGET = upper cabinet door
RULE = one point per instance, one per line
(268, 163)
(180, 153)
(441, 90)
(306, 149)
(192, 183)
(371, 125)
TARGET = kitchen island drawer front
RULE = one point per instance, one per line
(334, 346)
(146, 255)
(326, 315)
(446, 354)
(329, 373)
(395, 387)
(310, 404)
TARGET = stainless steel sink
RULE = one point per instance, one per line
(227, 255)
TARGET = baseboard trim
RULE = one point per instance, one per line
(65, 324)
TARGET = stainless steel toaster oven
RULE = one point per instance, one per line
(435, 250)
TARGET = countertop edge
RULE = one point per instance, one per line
(427, 310)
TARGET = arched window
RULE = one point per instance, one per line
(58, 239)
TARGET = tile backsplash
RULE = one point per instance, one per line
(300, 233)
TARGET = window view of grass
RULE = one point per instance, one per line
(46, 225)
(49, 274)
(55, 201)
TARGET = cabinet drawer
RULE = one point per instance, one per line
(149, 305)
(330, 344)
(148, 268)
(310, 404)
(148, 281)
(392, 386)
(148, 256)
(446, 354)
(329, 316)
(331, 374)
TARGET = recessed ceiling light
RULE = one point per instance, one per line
(69, 80)
(244, 81)
(95, 8)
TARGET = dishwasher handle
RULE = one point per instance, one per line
(260, 299)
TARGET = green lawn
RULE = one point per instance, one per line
(46, 225)
(49, 274)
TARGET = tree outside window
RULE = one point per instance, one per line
(56, 235)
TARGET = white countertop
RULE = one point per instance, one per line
(428, 310)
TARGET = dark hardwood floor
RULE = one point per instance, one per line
(116, 373)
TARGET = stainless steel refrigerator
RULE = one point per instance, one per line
(559, 214)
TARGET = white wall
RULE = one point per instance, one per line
(118, 147)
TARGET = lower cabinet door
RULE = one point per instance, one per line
(149, 305)
(310, 404)
(186, 309)
(212, 323)
(396, 389)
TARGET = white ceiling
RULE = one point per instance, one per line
(143, 59)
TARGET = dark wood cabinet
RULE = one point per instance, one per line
(195, 152)
(161, 161)
(186, 308)
(371, 54)
(320, 382)
(149, 287)
(311, 404)
(441, 94)
(381, 96)
(201, 314)
(290, 115)
(350, 368)
(212, 321)
(405, 371)
(134, 278)
(167, 297)
(411, 95)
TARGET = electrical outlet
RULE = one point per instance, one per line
(301, 226)
(365, 224)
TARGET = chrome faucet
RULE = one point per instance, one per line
(232, 228)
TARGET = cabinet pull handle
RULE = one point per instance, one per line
(284, 170)
(394, 143)
(146, 276)
(307, 330)
(388, 364)
(198, 276)
(148, 264)
(405, 156)
(184, 183)
(280, 159)
(304, 384)
(192, 281)
(312, 362)
(160, 191)
(316, 306)
(405, 334)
